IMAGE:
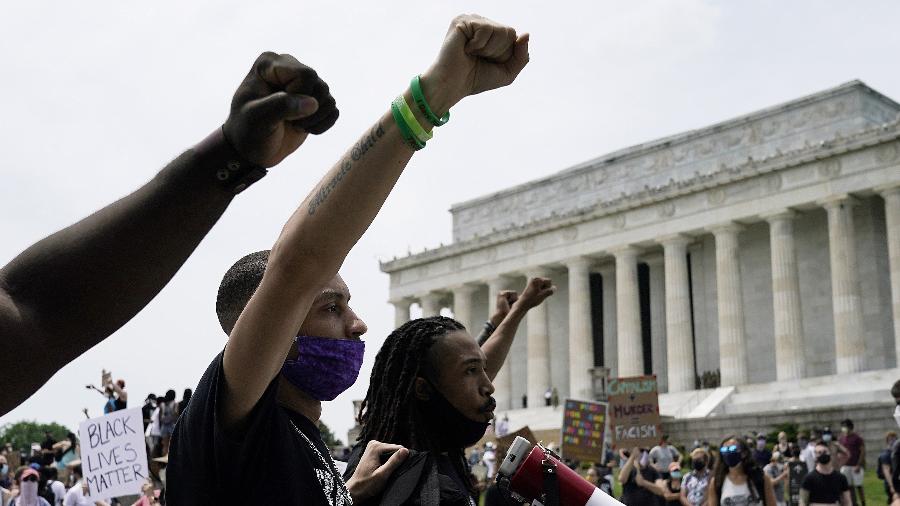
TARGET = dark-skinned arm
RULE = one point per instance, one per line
(496, 348)
(69, 291)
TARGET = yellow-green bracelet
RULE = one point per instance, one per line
(405, 132)
(411, 120)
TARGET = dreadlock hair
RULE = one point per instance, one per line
(390, 412)
(238, 285)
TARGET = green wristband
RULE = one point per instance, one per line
(419, 98)
(411, 120)
(407, 135)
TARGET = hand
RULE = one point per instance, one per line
(505, 300)
(536, 291)
(277, 105)
(478, 55)
(371, 476)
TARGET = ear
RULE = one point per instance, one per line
(422, 389)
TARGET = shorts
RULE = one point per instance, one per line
(854, 478)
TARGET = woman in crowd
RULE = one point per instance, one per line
(738, 479)
(695, 487)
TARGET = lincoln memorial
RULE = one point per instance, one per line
(751, 265)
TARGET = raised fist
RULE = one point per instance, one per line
(536, 291)
(479, 55)
(277, 105)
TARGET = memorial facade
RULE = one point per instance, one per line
(762, 249)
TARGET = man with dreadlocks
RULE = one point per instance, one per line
(293, 339)
(430, 391)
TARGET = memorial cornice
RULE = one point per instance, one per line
(811, 152)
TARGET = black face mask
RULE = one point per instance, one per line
(450, 429)
(823, 459)
(699, 464)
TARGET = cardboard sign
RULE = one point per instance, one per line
(583, 430)
(634, 412)
(503, 443)
(113, 455)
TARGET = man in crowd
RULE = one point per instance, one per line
(895, 450)
(852, 468)
(662, 455)
(637, 463)
(761, 454)
(824, 485)
(441, 399)
(71, 290)
(293, 339)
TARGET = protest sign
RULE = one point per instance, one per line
(797, 471)
(583, 428)
(504, 442)
(634, 412)
(113, 455)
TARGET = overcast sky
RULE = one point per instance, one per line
(96, 96)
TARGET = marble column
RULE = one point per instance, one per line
(610, 344)
(432, 303)
(849, 340)
(401, 312)
(790, 362)
(679, 334)
(732, 338)
(462, 307)
(503, 381)
(658, 321)
(628, 314)
(537, 320)
(581, 338)
(891, 197)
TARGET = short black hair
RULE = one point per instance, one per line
(895, 390)
(848, 423)
(237, 286)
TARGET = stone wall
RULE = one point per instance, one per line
(871, 421)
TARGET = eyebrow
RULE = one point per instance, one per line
(330, 294)
(473, 360)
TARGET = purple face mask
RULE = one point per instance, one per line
(325, 367)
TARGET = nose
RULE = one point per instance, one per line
(356, 327)
(487, 387)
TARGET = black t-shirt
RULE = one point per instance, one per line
(269, 461)
(825, 488)
(632, 493)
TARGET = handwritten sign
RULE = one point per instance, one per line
(113, 455)
(634, 412)
(583, 429)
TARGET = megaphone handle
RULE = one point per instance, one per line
(551, 482)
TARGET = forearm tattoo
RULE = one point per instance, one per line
(357, 153)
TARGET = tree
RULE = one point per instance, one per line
(22, 434)
(328, 436)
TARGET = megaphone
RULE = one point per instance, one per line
(533, 473)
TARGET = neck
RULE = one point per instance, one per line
(735, 472)
(824, 468)
(297, 400)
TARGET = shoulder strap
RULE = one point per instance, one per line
(431, 492)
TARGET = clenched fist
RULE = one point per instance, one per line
(278, 104)
(478, 55)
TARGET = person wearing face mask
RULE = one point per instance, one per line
(852, 467)
(293, 340)
(637, 461)
(738, 481)
(668, 488)
(27, 480)
(761, 454)
(695, 485)
(439, 401)
(824, 486)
